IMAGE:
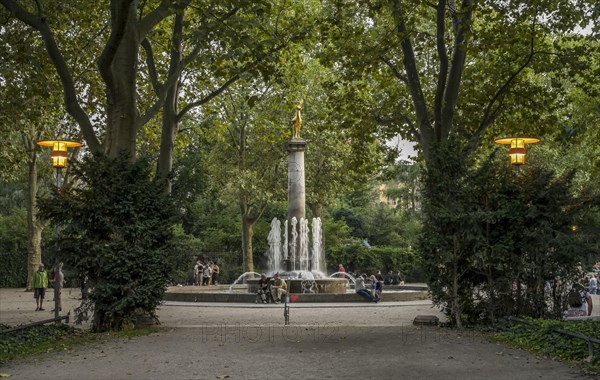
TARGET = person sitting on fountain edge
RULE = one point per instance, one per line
(361, 290)
(264, 289)
(279, 287)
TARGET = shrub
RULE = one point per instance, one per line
(116, 229)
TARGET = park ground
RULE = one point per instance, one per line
(247, 341)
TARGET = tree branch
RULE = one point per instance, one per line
(208, 98)
(443, 56)
(414, 83)
(161, 92)
(165, 9)
(490, 110)
(456, 70)
(151, 65)
(69, 93)
(119, 10)
(395, 71)
(229, 82)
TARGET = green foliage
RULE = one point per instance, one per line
(13, 272)
(492, 241)
(31, 339)
(52, 337)
(13, 231)
(540, 336)
(13, 249)
(116, 229)
(403, 260)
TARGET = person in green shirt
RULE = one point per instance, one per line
(40, 283)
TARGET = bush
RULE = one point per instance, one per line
(13, 271)
(21, 342)
(541, 336)
(116, 229)
(403, 260)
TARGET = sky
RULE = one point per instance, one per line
(405, 147)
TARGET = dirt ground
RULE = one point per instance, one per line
(337, 341)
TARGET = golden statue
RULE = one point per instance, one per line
(297, 122)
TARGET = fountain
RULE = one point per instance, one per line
(298, 258)
(305, 274)
(244, 275)
(301, 251)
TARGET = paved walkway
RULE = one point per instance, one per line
(349, 341)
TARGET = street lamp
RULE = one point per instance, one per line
(59, 156)
(517, 150)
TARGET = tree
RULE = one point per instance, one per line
(493, 242)
(248, 158)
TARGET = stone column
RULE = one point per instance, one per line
(296, 195)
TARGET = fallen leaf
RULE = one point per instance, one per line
(5, 375)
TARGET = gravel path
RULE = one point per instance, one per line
(338, 341)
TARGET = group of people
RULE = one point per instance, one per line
(377, 281)
(391, 278)
(373, 295)
(271, 289)
(40, 282)
(206, 274)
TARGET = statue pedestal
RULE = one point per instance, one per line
(296, 193)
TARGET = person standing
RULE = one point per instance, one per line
(215, 274)
(58, 281)
(198, 272)
(379, 284)
(207, 274)
(593, 284)
(342, 271)
(40, 283)
(373, 281)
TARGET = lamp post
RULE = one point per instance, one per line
(517, 150)
(59, 156)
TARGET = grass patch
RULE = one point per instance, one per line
(540, 336)
(55, 337)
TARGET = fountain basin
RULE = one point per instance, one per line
(323, 285)
(193, 294)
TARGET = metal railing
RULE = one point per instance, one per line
(38, 323)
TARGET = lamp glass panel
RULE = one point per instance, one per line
(517, 159)
(59, 161)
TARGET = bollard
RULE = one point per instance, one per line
(286, 309)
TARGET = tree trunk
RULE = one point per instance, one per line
(455, 297)
(170, 123)
(247, 232)
(34, 226)
(121, 96)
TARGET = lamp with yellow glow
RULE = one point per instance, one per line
(59, 151)
(517, 150)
